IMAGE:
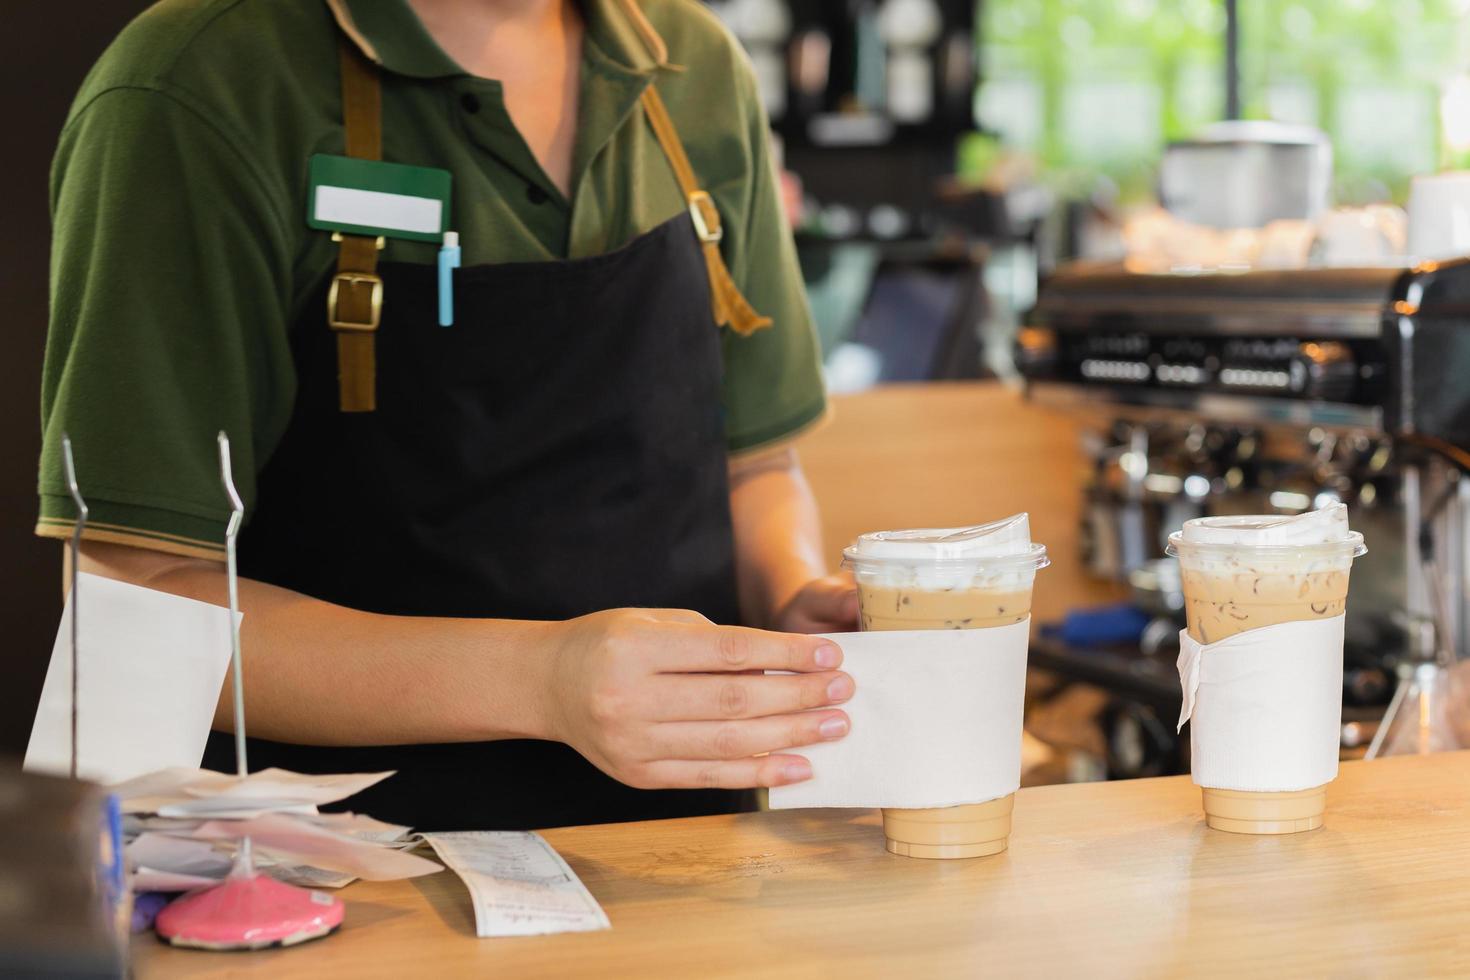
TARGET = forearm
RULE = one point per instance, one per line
(322, 674)
(778, 533)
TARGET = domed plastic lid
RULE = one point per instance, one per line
(1004, 542)
(1317, 531)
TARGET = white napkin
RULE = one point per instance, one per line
(1265, 706)
(936, 721)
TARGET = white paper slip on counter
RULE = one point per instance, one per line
(288, 839)
(1264, 706)
(936, 721)
(518, 883)
(150, 670)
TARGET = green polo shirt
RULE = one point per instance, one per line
(181, 255)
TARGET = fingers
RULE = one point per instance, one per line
(742, 739)
(771, 770)
(832, 598)
(686, 648)
(715, 697)
(824, 605)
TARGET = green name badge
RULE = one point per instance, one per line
(370, 197)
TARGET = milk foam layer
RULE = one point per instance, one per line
(1323, 526)
(998, 556)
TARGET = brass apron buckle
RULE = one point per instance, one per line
(706, 217)
(354, 283)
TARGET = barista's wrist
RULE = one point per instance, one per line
(502, 686)
(542, 700)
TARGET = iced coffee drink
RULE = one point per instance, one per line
(1245, 573)
(909, 608)
(952, 579)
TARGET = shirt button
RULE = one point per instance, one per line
(470, 102)
(536, 195)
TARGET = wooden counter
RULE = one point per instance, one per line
(1105, 879)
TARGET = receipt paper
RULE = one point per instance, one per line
(519, 885)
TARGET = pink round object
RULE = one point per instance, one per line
(249, 913)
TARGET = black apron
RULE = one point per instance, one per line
(559, 450)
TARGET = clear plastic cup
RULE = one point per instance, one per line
(1234, 586)
(947, 578)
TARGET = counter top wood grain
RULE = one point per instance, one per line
(1104, 879)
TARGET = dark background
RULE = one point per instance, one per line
(45, 51)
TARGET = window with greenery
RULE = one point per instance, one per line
(1097, 87)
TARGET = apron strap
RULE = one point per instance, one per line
(355, 300)
(730, 307)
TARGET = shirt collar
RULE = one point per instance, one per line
(390, 35)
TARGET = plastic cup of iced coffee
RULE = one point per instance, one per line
(947, 579)
(1248, 572)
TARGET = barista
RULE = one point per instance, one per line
(505, 556)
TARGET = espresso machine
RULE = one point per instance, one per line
(1265, 391)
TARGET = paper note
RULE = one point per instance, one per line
(294, 839)
(134, 824)
(936, 721)
(163, 784)
(146, 879)
(218, 795)
(306, 876)
(519, 885)
(151, 668)
(280, 784)
(202, 794)
(164, 852)
(362, 827)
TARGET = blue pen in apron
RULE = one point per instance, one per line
(448, 262)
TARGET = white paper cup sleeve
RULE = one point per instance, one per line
(1264, 706)
(936, 721)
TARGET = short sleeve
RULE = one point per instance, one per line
(170, 291)
(773, 381)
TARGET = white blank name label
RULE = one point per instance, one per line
(377, 209)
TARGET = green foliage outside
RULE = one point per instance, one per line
(1369, 72)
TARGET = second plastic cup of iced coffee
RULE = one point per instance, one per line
(1245, 573)
(950, 579)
